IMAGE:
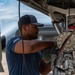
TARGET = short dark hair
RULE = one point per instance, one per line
(28, 19)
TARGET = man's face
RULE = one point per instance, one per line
(32, 31)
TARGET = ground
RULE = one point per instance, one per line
(4, 64)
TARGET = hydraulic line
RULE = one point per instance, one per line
(24, 60)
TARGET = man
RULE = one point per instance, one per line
(23, 53)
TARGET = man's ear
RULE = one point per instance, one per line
(24, 27)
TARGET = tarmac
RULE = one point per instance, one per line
(4, 64)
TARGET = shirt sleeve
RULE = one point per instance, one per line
(11, 44)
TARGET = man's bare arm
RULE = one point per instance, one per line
(45, 67)
(32, 46)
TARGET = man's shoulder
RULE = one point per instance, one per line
(13, 40)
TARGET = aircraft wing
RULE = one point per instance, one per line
(42, 5)
(58, 10)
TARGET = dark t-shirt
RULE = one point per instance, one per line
(16, 65)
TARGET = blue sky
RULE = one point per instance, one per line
(9, 15)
